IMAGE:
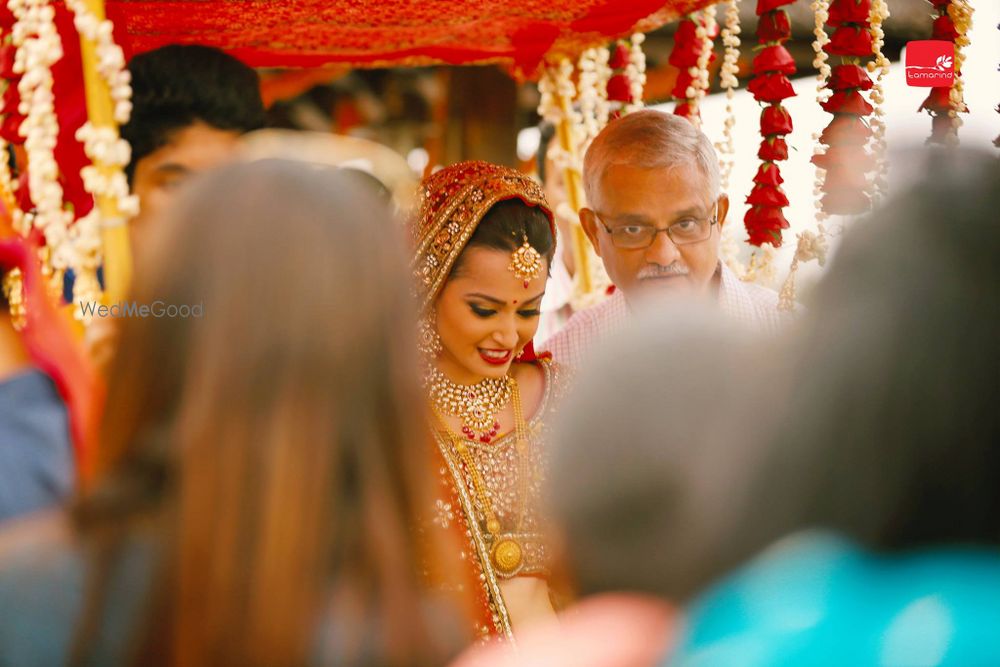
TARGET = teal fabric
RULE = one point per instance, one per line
(817, 600)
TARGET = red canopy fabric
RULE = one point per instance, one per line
(390, 33)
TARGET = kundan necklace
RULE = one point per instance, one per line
(506, 551)
(477, 405)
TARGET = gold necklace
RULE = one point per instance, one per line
(477, 405)
(506, 554)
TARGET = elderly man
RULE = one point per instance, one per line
(655, 219)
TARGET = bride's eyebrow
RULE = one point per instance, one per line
(501, 302)
(487, 297)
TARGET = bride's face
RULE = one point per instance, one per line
(485, 315)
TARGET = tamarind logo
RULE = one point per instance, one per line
(930, 63)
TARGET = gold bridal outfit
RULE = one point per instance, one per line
(487, 496)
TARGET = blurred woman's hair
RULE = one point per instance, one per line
(268, 450)
(891, 435)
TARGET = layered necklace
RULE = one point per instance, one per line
(476, 405)
(506, 549)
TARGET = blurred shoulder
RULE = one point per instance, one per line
(41, 589)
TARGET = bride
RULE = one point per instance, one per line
(485, 240)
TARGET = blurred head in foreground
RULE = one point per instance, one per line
(267, 446)
(891, 434)
(888, 445)
(651, 450)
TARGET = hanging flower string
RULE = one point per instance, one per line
(627, 79)
(692, 53)
(730, 247)
(38, 48)
(846, 161)
(728, 82)
(765, 220)
(821, 13)
(996, 142)
(945, 103)
(594, 73)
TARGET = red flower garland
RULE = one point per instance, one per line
(764, 220)
(846, 160)
(684, 55)
(938, 103)
(12, 119)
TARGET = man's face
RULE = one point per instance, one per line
(661, 197)
(190, 150)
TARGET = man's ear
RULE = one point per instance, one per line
(589, 223)
(723, 209)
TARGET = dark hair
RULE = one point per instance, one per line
(546, 132)
(505, 226)
(178, 85)
(275, 477)
(891, 434)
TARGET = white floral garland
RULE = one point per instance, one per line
(593, 96)
(704, 27)
(960, 12)
(555, 83)
(38, 48)
(110, 57)
(635, 71)
(821, 12)
(880, 180)
(726, 148)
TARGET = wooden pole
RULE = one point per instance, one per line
(114, 228)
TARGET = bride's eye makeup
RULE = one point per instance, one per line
(481, 311)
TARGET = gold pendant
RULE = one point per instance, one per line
(507, 556)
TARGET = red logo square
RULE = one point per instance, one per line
(930, 63)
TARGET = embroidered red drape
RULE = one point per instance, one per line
(390, 33)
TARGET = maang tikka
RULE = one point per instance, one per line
(525, 262)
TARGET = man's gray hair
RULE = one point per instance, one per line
(650, 139)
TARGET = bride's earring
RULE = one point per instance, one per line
(428, 340)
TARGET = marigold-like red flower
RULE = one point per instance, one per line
(764, 225)
(848, 101)
(773, 149)
(774, 27)
(850, 40)
(843, 77)
(846, 130)
(774, 59)
(844, 178)
(685, 110)
(684, 79)
(7, 53)
(775, 119)
(944, 28)
(8, 130)
(767, 195)
(619, 57)
(619, 89)
(939, 101)
(848, 157)
(764, 6)
(849, 11)
(768, 174)
(772, 87)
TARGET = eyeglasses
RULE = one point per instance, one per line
(682, 232)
